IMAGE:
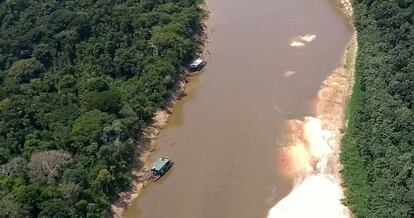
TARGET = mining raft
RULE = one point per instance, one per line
(160, 167)
(197, 64)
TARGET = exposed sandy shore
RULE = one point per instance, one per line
(336, 91)
(344, 76)
(347, 71)
(140, 171)
(347, 7)
(333, 98)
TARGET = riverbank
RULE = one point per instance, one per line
(140, 170)
(331, 109)
(334, 97)
(347, 8)
(349, 69)
(313, 152)
(339, 85)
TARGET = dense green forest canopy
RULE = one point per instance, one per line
(79, 79)
(378, 148)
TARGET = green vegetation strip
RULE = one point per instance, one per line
(79, 80)
(378, 146)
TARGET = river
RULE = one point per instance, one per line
(225, 134)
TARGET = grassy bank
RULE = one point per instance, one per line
(377, 148)
(353, 173)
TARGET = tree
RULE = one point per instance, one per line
(45, 166)
(26, 69)
(105, 101)
(89, 124)
(104, 180)
(78, 82)
(11, 209)
(44, 53)
(15, 166)
(377, 148)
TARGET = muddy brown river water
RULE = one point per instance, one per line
(224, 135)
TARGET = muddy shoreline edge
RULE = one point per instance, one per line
(348, 64)
(145, 146)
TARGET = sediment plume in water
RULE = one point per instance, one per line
(311, 156)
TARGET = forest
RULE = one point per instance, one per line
(378, 145)
(79, 80)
